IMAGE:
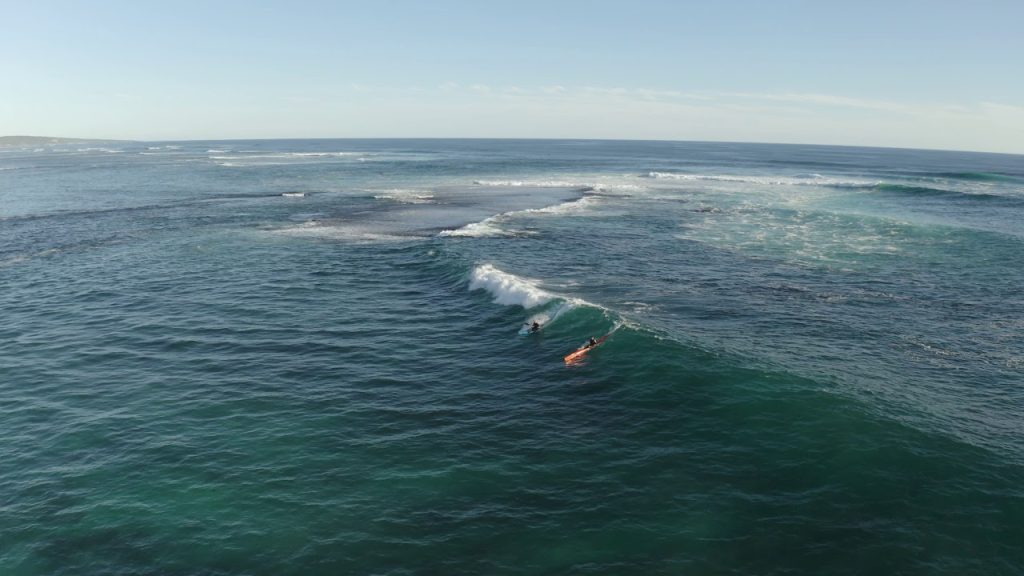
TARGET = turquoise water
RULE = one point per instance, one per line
(304, 357)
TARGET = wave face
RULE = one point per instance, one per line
(320, 361)
(926, 191)
(979, 176)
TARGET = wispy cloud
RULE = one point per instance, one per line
(822, 100)
(610, 112)
(490, 109)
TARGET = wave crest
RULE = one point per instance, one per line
(797, 180)
(530, 183)
(403, 196)
(508, 289)
(491, 226)
(485, 228)
(927, 191)
(572, 206)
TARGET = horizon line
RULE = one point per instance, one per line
(503, 138)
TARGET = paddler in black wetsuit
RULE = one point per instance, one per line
(591, 343)
(535, 327)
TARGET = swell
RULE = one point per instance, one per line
(976, 176)
(74, 213)
(652, 359)
(942, 193)
(854, 184)
(566, 317)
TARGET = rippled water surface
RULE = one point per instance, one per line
(308, 357)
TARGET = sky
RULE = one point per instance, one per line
(900, 73)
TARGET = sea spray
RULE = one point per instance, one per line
(508, 289)
(546, 317)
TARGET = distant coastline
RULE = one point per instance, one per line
(10, 141)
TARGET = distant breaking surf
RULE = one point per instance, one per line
(490, 226)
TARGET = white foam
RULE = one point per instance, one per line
(356, 234)
(247, 158)
(318, 154)
(711, 177)
(405, 196)
(104, 150)
(797, 180)
(545, 318)
(487, 227)
(600, 186)
(542, 319)
(490, 227)
(508, 289)
(606, 188)
(570, 207)
(530, 183)
(294, 194)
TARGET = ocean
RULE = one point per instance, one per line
(308, 357)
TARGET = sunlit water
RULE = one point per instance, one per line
(306, 357)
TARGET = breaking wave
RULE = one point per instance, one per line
(509, 289)
(491, 226)
(405, 196)
(488, 227)
(346, 233)
(797, 180)
(530, 183)
(573, 206)
(287, 155)
(243, 159)
(596, 187)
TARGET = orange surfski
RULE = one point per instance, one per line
(580, 353)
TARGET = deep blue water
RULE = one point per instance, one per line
(305, 357)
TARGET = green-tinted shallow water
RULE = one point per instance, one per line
(816, 367)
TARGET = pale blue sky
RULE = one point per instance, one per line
(937, 74)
